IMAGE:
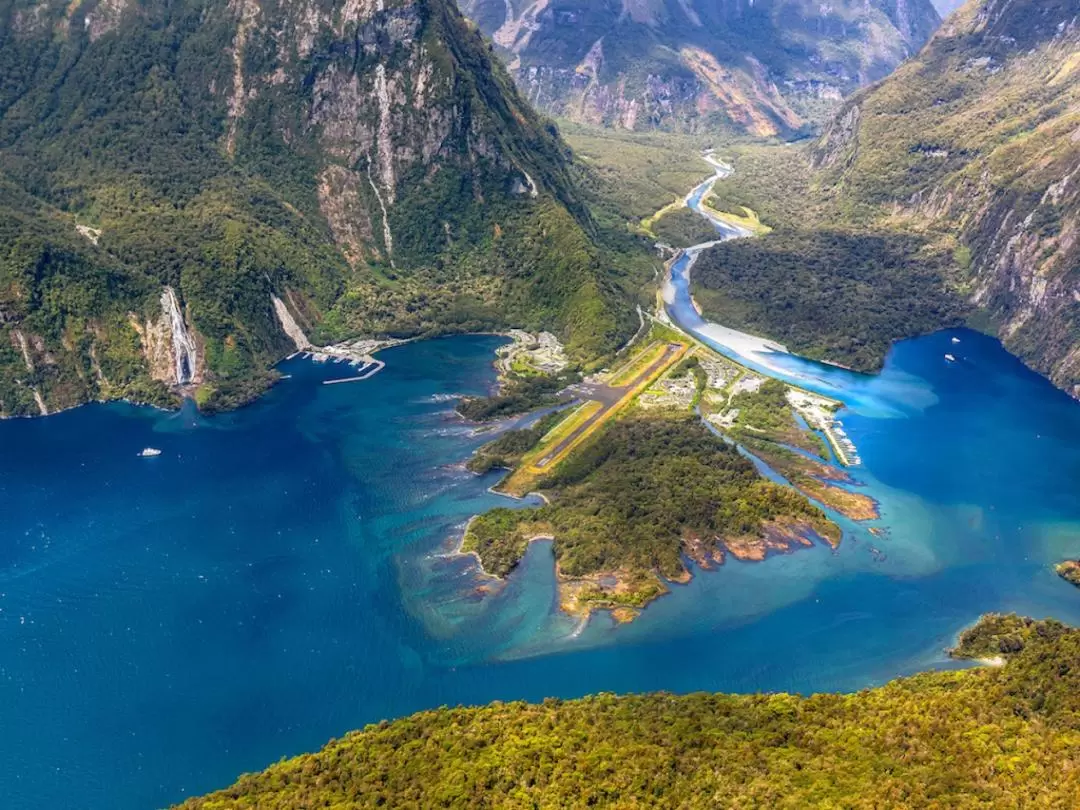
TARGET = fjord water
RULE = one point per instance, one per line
(280, 575)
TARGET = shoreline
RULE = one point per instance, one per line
(568, 589)
(122, 400)
(310, 352)
(581, 596)
(576, 600)
(745, 346)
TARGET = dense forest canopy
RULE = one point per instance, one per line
(630, 500)
(986, 737)
(837, 295)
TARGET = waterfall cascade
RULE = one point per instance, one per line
(183, 345)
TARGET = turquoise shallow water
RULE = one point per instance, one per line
(278, 575)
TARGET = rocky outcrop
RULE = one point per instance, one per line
(1026, 274)
(765, 67)
(342, 203)
(376, 90)
(289, 324)
(155, 338)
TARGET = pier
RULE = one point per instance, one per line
(369, 369)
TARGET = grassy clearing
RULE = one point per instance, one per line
(629, 370)
(638, 173)
(747, 219)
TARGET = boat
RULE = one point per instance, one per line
(956, 340)
(950, 358)
(149, 452)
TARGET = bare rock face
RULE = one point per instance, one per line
(289, 324)
(156, 340)
(342, 203)
(1026, 273)
(765, 67)
(383, 94)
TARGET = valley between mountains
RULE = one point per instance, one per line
(387, 356)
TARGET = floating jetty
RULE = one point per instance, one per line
(349, 354)
(356, 353)
(845, 449)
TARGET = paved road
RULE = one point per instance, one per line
(610, 396)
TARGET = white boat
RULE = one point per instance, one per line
(956, 340)
(149, 452)
(950, 358)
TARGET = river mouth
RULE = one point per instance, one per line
(890, 395)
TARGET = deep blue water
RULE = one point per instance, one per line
(276, 576)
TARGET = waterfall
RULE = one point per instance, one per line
(183, 346)
(388, 238)
(530, 185)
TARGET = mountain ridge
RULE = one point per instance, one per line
(977, 137)
(944, 737)
(766, 68)
(370, 164)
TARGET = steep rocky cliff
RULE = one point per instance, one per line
(764, 67)
(169, 168)
(979, 137)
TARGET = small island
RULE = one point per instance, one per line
(996, 637)
(1069, 570)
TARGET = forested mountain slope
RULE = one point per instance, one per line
(763, 67)
(946, 193)
(987, 737)
(168, 167)
(979, 138)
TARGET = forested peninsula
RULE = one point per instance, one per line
(993, 736)
(627, 508)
